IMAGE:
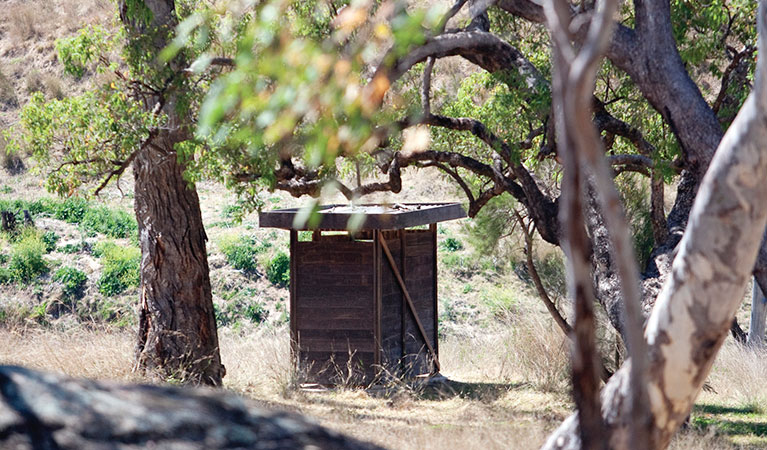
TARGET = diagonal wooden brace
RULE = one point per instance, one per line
(409, 300)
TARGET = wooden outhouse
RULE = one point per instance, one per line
(364, 304)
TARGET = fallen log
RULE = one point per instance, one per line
(45, 411)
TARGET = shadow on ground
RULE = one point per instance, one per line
(485, 392)
(746, 424)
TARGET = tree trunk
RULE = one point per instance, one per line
(8, 221)
(758, 316)
(177, 336)
(694, 311)
(648, 54)
(177, 327)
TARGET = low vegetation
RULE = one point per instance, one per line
(278, 270)
(26, 261)
(507, 362)
(242, 251)
(120, 268)
(91, 219)
(72, 281)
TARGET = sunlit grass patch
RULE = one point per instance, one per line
(742, 425)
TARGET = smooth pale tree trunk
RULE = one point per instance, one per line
(758, 317)
(177, 336)
(698, 302)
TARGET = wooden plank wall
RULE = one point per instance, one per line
(334, 315)
(392, 302)
(419, 278)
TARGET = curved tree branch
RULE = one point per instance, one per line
(481, 48)
(694, 311)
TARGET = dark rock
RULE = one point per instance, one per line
(45, 411)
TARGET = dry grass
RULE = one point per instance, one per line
(738, 375)
(23, 21)
(508, 387)
(487, 408)
(8, 98)
(77, 352)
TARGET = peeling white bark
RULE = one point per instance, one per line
(693, 313)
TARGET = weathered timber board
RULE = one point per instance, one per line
(419, 277)
(333, 314)
(374, 217)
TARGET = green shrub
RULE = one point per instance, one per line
(50, 238)
(121, 268)
(237, 309)
(15, 206)
(43, 206)
(234, 212)
(255, 312)
(451, 244)
(501, 302)
(71, 210)
(73, 281)
(456, 262)
(5, 276)
(113, 223)
(241, 252)
(114, 312)
(26, 262)
(71, 248)
(39, 313)
(3, 258)
(278, 270)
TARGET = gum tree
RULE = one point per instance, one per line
(292, 105)
(365, 75)
(139, 119)
(693, 312)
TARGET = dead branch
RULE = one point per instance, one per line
(550, 306)
(737, 59)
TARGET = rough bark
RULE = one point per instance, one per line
(177, 327)
(8, 221)
(45, 411)
(177, 335)
(648, 54)
(695, 309)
